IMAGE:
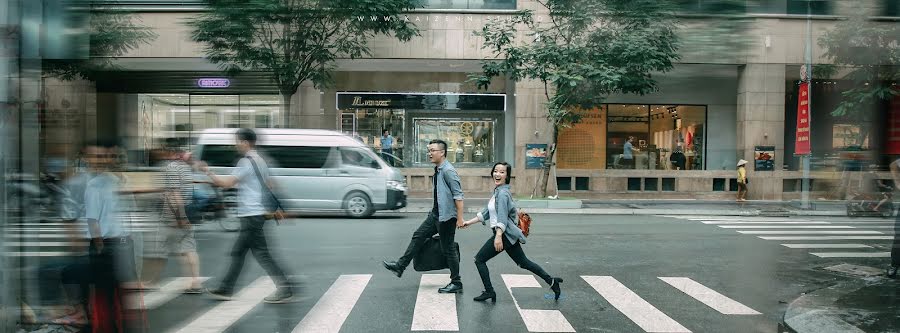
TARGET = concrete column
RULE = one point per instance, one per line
(531, 127)
(760, 122)
(307, 109)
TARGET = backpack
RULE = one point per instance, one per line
(524, 223)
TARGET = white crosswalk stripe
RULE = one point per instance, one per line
(642, 313)
(536, 320)
(811, 229)
(852, 254)
(827, 246)
(434, 311)
(709, 297)
(330, 312)
(220, 317)
(168, 290)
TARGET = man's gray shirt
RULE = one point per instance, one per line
(449, 189)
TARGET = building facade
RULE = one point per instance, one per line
(714, 108)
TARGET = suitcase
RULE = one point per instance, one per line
(431, 258)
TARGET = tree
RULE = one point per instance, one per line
(869, 53)
(296, 40)
(582, 51)
(111, 33)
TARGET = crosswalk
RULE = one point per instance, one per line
(832, 237)
(53, 238)
(438, 312)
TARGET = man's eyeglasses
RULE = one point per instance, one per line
(435, 150)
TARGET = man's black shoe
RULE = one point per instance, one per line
(393, 266)
(451, 288)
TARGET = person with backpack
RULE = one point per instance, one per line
(255, 202)
(507, 234)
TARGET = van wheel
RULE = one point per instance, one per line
(358, 205)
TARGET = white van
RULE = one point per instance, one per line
(314, 170)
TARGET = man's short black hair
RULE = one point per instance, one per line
(246, 134)
(440, 142)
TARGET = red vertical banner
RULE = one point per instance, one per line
(893, 144)
(801, 146)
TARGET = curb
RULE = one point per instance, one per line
(816, 312)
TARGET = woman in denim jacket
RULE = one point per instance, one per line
(503, 218)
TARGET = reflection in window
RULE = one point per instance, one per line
(369, 125)
(468, 141)
(358, 157)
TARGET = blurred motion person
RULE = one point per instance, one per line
(250, 178)
(504, 219)
(444, 218)
(742, 180)
(895, 246)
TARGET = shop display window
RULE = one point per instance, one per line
(369, 125)
(470, 141)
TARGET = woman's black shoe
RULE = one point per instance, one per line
(554, 285)
(485, 295)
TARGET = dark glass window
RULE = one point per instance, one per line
(219, 155)
(634, 184)
(564, 183)
(891, 8)
(668, 184)
(582, 184)
(718, 184)
(298, 157)
(815, 7)
(651, 184)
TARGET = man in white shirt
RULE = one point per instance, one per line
(250, 179)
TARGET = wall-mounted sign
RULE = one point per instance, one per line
(535, 155)
(423, 101)
(764, 158)
(213, 83)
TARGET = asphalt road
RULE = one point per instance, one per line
(622, 274)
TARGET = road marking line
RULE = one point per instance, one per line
(852, 254)
(710, 297)
(765, 222)
(812, 232)
(219, 318)
(819, 238)
(785, 226)
(827, 246)
(536, 320)
(633, 306)
(332, 309)
(168, 290)
(434, 311)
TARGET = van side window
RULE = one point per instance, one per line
(358, 157)
(219, 155)
(298, 157)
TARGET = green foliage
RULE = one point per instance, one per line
(582, 51)
(111, 34)
(296, 40)
(871, 52)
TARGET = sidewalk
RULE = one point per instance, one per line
(665, 207)
(868, 305)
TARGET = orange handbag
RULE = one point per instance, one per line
(525, 223)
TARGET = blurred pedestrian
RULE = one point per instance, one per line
(503, 216)
(443, 220)
(895, 246)
(174, 235)
(111, 248)
(742, 180)
(250, 178)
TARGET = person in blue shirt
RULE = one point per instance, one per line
(387, 142)
(628, 154)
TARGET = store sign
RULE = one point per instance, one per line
(764, 158)
(535, 155)
(632, 119)
(213, 83)
(475, 102)
(893, 144)
(801, 144)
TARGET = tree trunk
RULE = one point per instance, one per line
(286, 109)
(549, 162)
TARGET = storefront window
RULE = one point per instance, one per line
(624, 121)
(676, 136)
(470, 141)
(371, 125)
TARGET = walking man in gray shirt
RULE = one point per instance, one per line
(249, 175)
(443, 219)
